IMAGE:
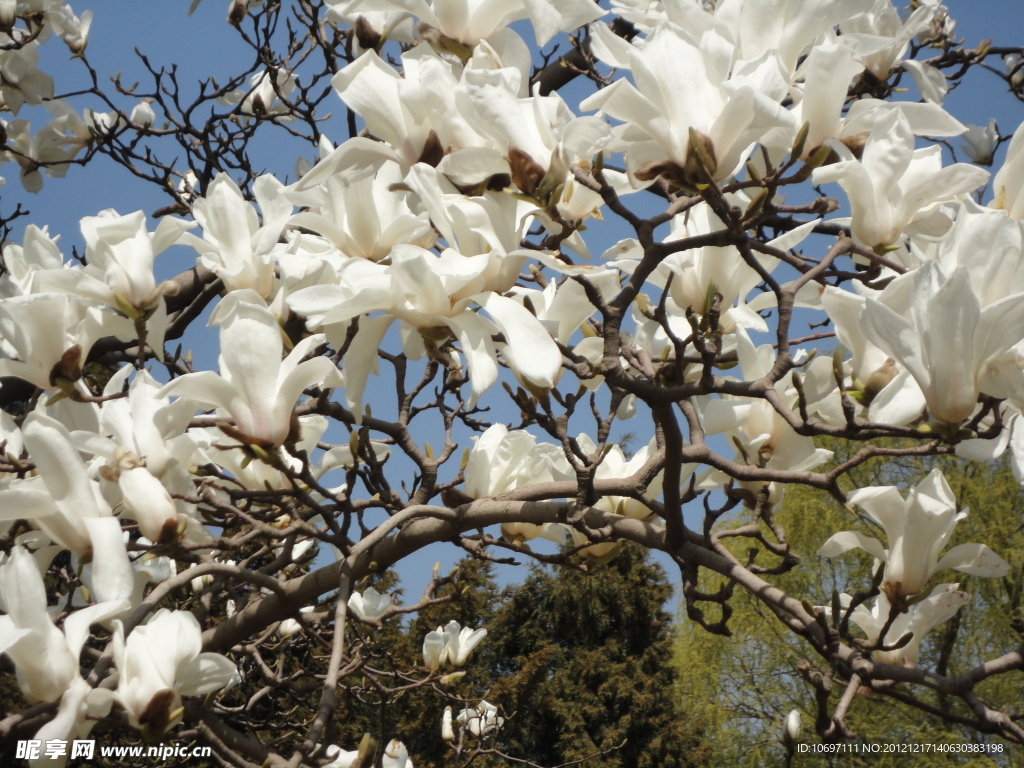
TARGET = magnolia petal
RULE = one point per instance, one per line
(474, 334)
(150, 504)
(609, 47)
(318, 371)
(112, 574)
(999, 328)
(357, 156)
(433, 644)
(58, 461)
(885, 505)
(844, 541)
(930, 81)
(900, 401)
(10, 634)
(76, 626)
(361, 360)
(250, 353)
(530, 349)
(940, 605)
(206, 673)
(65, 724)
(206, 387)
(24, 595)
(725, 415)
(975, 559)
(795, 236)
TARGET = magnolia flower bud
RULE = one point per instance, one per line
(433, 644)
(980, 142)
(791, 729)
(142, 114)
(447, 733)
(369, 605)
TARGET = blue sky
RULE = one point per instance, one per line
(204, 45)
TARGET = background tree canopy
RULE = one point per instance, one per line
(740, 688)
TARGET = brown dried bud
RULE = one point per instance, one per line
(526, 172)
(368, 37)
(433, 152)
(68, 368)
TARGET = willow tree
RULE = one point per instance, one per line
(742, 686)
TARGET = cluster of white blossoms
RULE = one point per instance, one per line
(25, 25)
(451, 231)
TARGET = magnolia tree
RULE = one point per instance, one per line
(731, 226)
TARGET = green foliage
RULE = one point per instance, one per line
(578, 662)
(418, 718)
(581, 661)
(740, 688)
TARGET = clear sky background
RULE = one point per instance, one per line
(204, 45)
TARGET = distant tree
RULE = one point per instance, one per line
(740, 688)
(582, 665)
(417, 715)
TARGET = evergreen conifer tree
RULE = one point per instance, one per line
(582, 666)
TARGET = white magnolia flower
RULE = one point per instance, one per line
(396, 756)
(62, 498)
(789, 26)
(894, 188)
(120, 252)
(46, 337)
(433, 646)
(940, 606)
(394, 110)
(767, 438)
(21, 81)
(460, 642)
(81, 709)
(264, 94)
(450, 643)
(791, 728)
(447, 732)
(981, 141)
(917, 529)
(700, 273)
(470, 21)
(707, 121)
(255, 386)
(142, 114)
(73, 30)
(614, 466)
(369, 605)
(24, 263)
(371, 27)
(989, 245)
(482, 719)
(160, 662)
(502, 461)
(365, 216)
(45, 658)
(882, 38)
(954, 347)
(235, 245)
(434, 294)
(340, 758)
(290, 627)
